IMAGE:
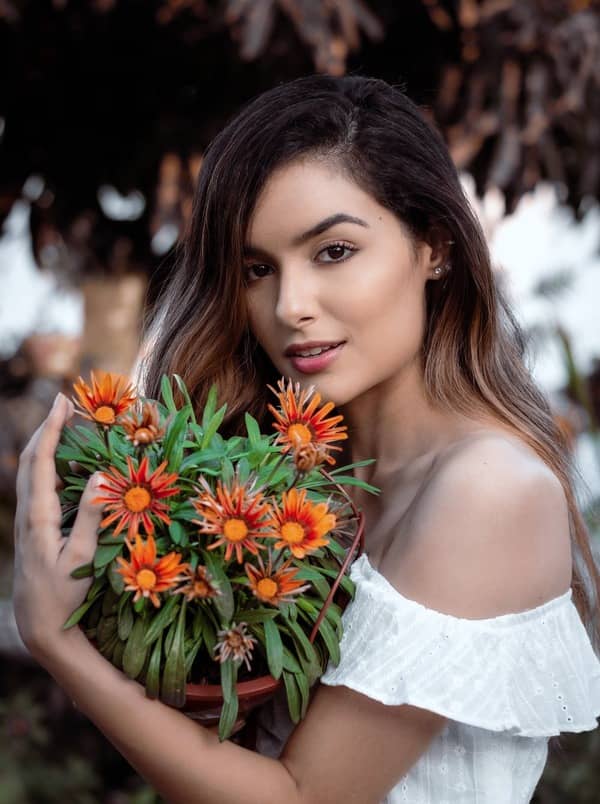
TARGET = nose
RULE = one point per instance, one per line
(297, 301)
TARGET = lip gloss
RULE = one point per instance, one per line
(310, 365)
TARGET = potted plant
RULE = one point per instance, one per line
(221, 566)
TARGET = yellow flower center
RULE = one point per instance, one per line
(146, 579)
(105, 415)
(299, 434)
(266, 587)
(292, 532)
(137, 499)
(235, 530)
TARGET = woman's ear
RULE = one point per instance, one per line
(440, 244)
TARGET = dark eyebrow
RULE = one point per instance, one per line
(319, 228)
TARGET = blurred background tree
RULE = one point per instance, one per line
(106, 107)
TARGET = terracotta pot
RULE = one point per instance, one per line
(204, 701)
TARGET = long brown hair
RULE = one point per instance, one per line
(473, 348)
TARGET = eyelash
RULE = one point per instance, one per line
(338, 244)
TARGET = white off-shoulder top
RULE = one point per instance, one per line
(506, 683)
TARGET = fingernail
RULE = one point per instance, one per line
(56, 400)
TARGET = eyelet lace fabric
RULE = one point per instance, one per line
(507, 684)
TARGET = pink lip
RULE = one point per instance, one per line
(310, 365)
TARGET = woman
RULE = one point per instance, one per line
(331, 242)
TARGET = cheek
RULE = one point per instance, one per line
(261, 323)
(387, 306)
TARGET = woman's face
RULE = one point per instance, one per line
(357, 286)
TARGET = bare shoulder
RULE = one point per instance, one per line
(490, 534)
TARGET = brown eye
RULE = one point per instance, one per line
(336, 251)
(256, 271)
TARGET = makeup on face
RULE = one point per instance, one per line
(345, 324)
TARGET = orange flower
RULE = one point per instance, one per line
(133, 498)
(275, 586)
(234, 643)
(301, 524)
(199, 584)
(146, 575)
(109, 396)
(300, 423)
(142, 426)
(236, 516)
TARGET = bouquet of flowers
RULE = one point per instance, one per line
(218, 559)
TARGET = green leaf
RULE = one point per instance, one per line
(243, 470)
(109, 602)
(200, 458)
(83, 571)
(115, 578)
(228, 677)
(341, 469)
(253, 430)
(346, 583)
(105, 553)
(173, 686)
(107, 628)
(307, 654)
(209, 635)
(166, 391)
(213, 425)
(331, 640)
(163, 619)
(302, 684)
(290, 662)
(344, 480)
(229, 713)
(134, 655)
(174, 438)
(293, 696)
(274, 647)
(98, 586)
(314, 576)
(198, 624)
(210, 407)
(177, 533)
(186, 395)
(117, 655)
(224, 603)
(107, 648)
(256, 615)
(125, 617)
(227, 471)
(334, 614)
(91, 621)
(190, 655)
(153, 672)
(110, 538)
(170, 636)
(77, 614)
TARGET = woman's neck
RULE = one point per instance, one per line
(397, 425)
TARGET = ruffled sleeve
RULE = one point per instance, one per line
(533, 673)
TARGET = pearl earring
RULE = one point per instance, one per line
(438, 270)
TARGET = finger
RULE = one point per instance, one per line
(23, 471)
(80, 547)
(44, 449)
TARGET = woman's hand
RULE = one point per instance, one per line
(44, 593)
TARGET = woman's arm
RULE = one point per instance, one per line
(349, 748)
